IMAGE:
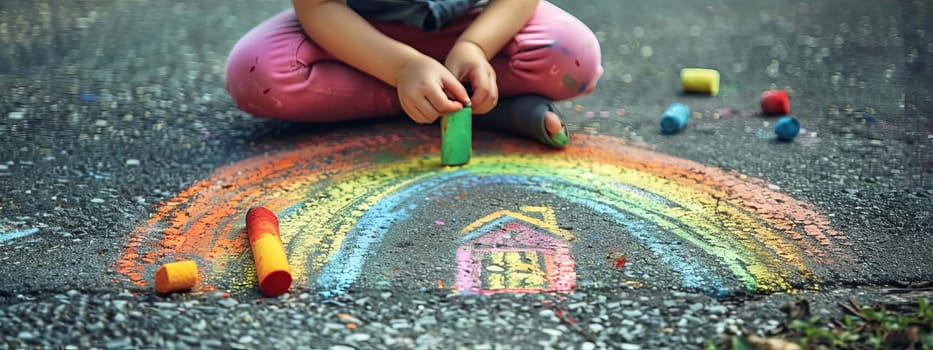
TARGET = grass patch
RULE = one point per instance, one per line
(880, 327)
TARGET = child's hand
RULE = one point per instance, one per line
(423, 88)
(468, 62)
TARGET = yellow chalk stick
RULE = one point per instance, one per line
(271, 266)
(176, 276)
(700, 80)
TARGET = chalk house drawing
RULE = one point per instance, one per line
(509, 252)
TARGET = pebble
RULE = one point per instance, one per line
(132, 162)
(123, 343)
(717, 309)
(16, 115)
(228, 302)
(245, 339)
(426, 339)
(211, 343)
(189, 339)
(97, 200)
(200, 325)
(358, 337)
(168, 329)
(400, 324)
(577, 306)
(101, 122)
(347, 318)
(596, 327)
(428, 321)
(587, 346)
(626, 334)
(627, 346)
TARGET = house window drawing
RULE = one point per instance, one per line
(515, 252)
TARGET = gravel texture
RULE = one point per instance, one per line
(109, 107)
(399, 319)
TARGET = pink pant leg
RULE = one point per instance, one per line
(276, 71)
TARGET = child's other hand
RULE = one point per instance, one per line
(468, 62)
(423, 87)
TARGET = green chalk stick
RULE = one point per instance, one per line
(457, 137)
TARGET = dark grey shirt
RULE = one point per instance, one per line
(428, 15)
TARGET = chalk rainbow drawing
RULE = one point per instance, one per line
(337, 198)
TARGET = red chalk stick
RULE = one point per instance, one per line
(775, 102)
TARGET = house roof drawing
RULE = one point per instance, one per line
(501, 218)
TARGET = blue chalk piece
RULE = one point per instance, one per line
(787, 128)
(88, 97)
(675, 118)
(9, 236)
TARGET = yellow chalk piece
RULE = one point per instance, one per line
(271, 265)
(700, 80)
(176, 276)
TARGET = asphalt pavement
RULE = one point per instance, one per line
(121, 151)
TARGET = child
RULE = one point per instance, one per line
(330, 60)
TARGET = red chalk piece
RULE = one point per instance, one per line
(775, 102)
(620, 262)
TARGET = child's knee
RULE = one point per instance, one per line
(576, 59)
(258, 75)
(569, 59)
(245, 77)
